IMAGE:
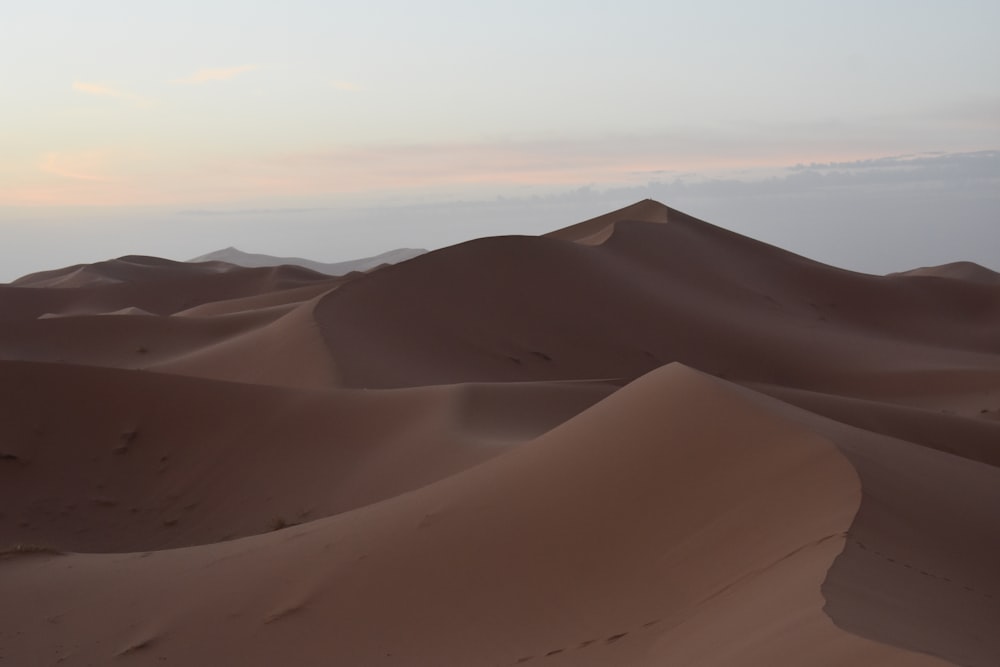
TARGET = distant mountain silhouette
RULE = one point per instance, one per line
(238, 257)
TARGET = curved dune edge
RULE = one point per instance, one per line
(290, 298)
(632, 534)
(918, 569)
(288, 352)
(279, 345)
(598, 230)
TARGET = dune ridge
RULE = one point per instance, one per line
(638, 440)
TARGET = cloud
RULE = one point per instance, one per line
(973, 175)
(554, 161)
(101, 90)
(505, 163)
(346, 86)
(897, 161)
(96, 89)
(85, 166)
(216, 74)
(252, 211)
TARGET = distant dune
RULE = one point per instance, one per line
(958, 271)
(638, 440)
(240, 258)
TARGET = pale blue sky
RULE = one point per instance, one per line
(171, 106)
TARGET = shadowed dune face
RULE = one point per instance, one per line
(108, 460)
(920, 570)
(919, 566)
(639, 440)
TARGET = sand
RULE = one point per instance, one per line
(638, 440)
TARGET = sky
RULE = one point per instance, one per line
(861, 133)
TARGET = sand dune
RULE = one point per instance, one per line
(965, 271)
(652, 293)
(156, 286)
(131, 268)
(286, 350)
(111, 460)
(638, 440)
